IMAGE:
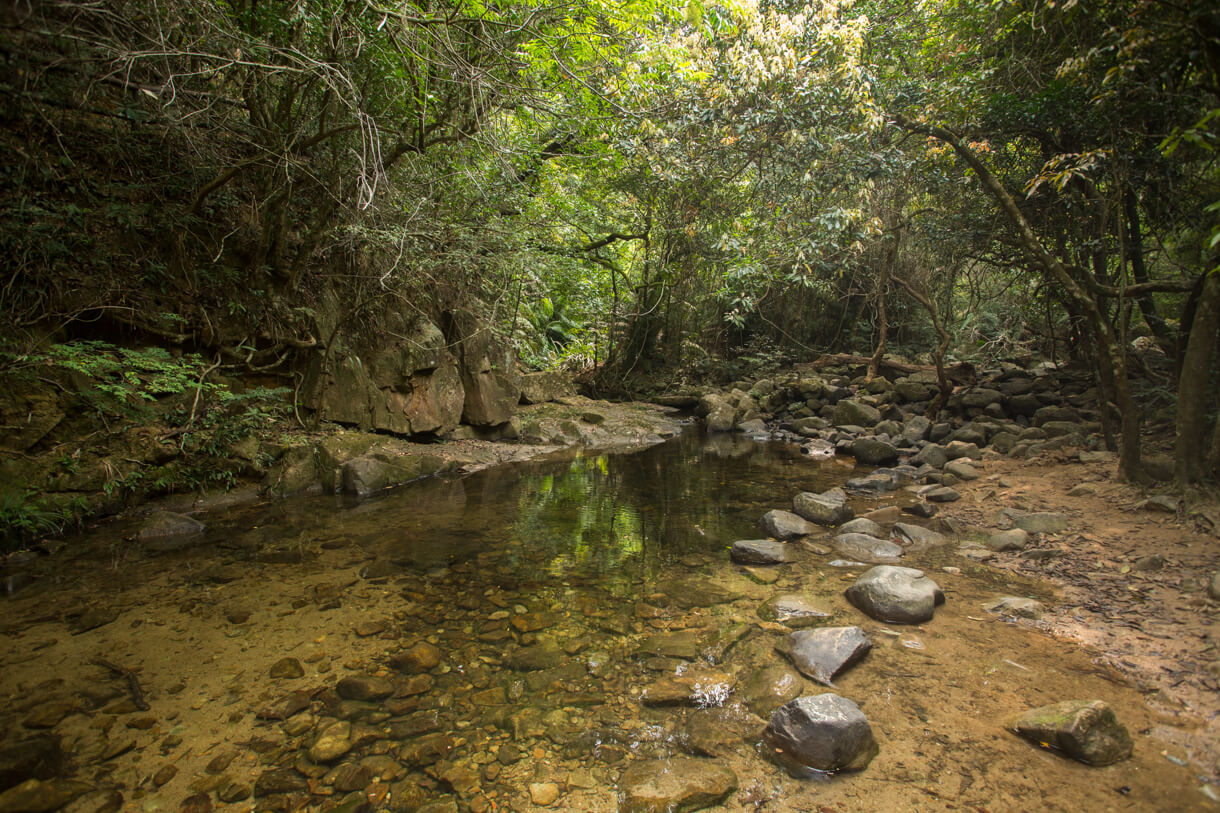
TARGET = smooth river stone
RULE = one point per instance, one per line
(793, 610)
(824, 732)
(678, 784)
(823, 654)
(901, 595)
(760, 552)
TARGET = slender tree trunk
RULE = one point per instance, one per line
(1135, 252)
(1110, 351)
(1190, 462)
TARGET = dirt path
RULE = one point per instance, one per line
(1133, 581)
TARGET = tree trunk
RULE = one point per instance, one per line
(1190, 460)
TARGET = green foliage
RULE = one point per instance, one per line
(25, 517)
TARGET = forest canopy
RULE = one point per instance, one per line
(630, 189)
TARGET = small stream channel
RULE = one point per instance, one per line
(491, 641)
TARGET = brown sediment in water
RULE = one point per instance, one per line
(571, 566)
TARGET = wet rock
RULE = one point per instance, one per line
(862, 525)
(824, 732)
(332, 743)
(900, 595)
(714, 732)
(419, 657)
(683, 644)
(873, 452)
(546, 655)
(702, 688)
(828, 508)
(103, 800)
(961, 470)
(863, 546)
(770, 687)
(364, 687)
(677, 784)
(279, 780)
(1084, 730)
(760, 552)
(823, 654)
(849, 412)
(917, 537)
(875, 483)
(793, 610)
(286, 669)
(40, 756)
(544, 794)
(36, 795)
(349, 777)
(1015, 539)
(196, 803)
(162, 525)
(50, 714)
(1015, 607)
(1039, 522)
(785, 525)
(285, 707)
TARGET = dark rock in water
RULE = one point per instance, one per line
(863, 546)
(771, 687)
(35, 795)
(161, 525)
(824, 732)
(285, 707)
(900, 595)
(925, 510)
(854, 413)
(785, 525)
(828, 508)
(873, 452)
(1084, 730)
(823, 654)
(287, 668)
(37, 757)
(794, 610)
(364, 687)
(761, 552)
(677, 784)
(379, 569)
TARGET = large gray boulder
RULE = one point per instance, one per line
(825, 653)
(677, 784)
(1084, 730)
(896, 595)
(854, 413)
(824, 732)
(828, 508)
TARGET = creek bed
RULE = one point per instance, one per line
(555, 597)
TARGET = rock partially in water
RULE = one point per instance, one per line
(785, 525)
(761, 552)
(1015, 607)
(703, 688)
(863, 546)
(168, 529)
(828, 508)
(862, 525)
(824, 654)
(679, 784)
(824, 732)
(794, 610)
(917, 537)
(770, 687)
(1015, 539)
(1085, 730)
(899, 595)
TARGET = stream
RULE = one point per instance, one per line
(505, 640)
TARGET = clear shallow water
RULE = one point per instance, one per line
(557, 593)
